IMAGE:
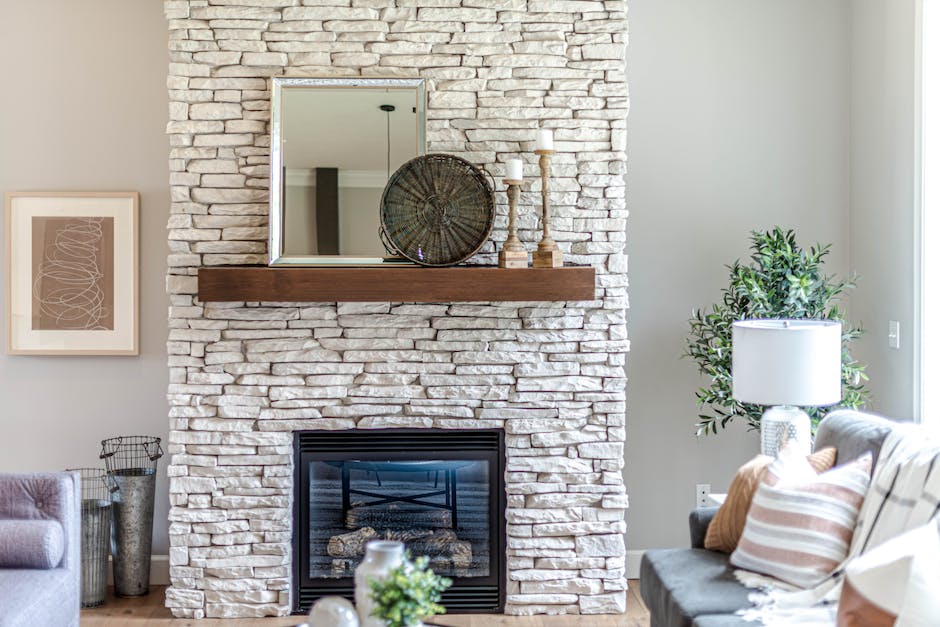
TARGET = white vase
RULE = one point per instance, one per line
(381, 557)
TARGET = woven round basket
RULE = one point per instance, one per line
(437, 210)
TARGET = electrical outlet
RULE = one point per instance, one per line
(702, 490)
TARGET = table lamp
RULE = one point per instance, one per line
(786, 364)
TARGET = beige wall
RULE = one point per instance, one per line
(738, 121)
(359, 220)
(300, 230)
(84, 108)
(883, 201)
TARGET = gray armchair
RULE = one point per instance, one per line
(40, 549)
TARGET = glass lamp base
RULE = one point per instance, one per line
(782, 424)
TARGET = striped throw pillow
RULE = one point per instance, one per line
(800, 524)
(726, 527)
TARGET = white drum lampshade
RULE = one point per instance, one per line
(786, 364)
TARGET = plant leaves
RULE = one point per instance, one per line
(782, 281)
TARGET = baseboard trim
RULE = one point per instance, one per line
(633, 564)
(159, 571)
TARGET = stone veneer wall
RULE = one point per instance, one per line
(243, 376)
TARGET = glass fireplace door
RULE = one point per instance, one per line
(437, 507)
(439, 492)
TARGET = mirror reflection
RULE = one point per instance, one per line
(335, 143)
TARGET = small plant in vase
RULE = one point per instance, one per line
(408, 594)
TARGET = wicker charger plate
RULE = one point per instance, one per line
(437, 210)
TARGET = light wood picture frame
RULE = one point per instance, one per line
(72, 273)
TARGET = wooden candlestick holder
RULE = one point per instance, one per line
(513, 253)
(548, 255)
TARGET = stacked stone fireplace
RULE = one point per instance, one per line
(245, 376)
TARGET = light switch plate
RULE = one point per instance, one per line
(894, 334)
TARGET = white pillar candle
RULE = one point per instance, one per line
(514, 169)
(544, 140)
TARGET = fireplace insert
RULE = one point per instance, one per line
(441, 492)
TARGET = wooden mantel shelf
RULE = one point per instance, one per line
(409, 284)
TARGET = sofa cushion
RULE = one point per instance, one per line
(800, 524)
(31, 543)
(853, 433)
(679, 584)
(34, 598)
(896, 580)
(856, 610)
(726, 528)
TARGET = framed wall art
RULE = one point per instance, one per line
(72, 264)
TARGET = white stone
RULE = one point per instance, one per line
(562, 500)
(601, 450)
(565, 438)
(613, 603)
(549, 464)
(176, 597)
(542, 575)
(601, 545)
(541, 598)
(566, 586)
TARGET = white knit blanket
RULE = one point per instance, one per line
(904, 494)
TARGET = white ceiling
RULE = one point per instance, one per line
(345, 129)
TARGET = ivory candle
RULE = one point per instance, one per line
(544, 140)
(514, 169)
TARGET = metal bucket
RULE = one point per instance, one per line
(96, 534)
(132, 466)
(132, 530)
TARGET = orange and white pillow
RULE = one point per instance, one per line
(895, 583)
(800, 524)
(726, 527)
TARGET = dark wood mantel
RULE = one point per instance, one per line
(409, 284)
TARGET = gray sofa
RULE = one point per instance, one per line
(32, 506)
(695, 586)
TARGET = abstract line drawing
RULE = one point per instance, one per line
(73, 273)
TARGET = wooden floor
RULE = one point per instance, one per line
(148, 611)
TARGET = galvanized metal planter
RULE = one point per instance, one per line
(132, 466)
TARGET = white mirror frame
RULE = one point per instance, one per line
(276, 256)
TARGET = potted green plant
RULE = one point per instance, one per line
(408, 594)
(782, 280)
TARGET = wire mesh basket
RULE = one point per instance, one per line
(437, 210)
(132, 466)
(131, 454)
(96, 533)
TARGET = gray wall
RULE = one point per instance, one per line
(300, 230)
(738, 121)
(882, 191)
(84, 109)
(359, 220)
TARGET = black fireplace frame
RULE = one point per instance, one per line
(468, 594)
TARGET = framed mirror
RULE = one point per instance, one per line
(334, 144)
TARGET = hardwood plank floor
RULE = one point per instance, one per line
(149, 611)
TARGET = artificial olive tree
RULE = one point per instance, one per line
(782, 280)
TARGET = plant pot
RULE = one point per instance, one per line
(381, 557)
